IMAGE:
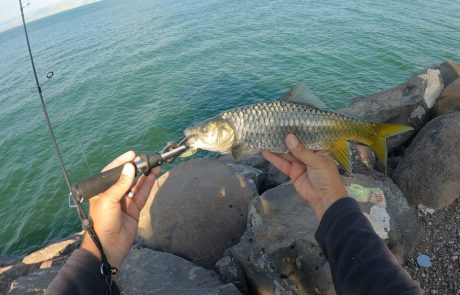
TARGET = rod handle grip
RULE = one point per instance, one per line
(96, 184)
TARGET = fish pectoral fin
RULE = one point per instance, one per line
(301, 94)
(340, 151)
(241, 151)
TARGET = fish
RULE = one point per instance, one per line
(250, 129)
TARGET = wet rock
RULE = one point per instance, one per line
(146, 271)
(55, 249)
(387, 210)
(449, 100)
(450, 72)
(429, 173)
(408, 103)
(196, 211)
(34, 283)
(278, 252)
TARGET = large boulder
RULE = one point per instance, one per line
(196, 211)
(408, 103)
(449, 100)
(53, 255)
(145, 271)
(388, 211)
(429, 173)
(278, 252)
(450, 72)
(54, 250)
(34, 283)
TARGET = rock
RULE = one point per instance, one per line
(196, 211)
(231, 272)
(256, 161)
(56, 249)
(274, 178)
(429, 173)
(9, 260)
(10, 273)
(387, 210)
(34, 283)
(408, 103)
(449, 100)
(278, 252)
(450, 72)
(252, 175)
(146, 271)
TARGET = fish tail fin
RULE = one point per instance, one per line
(385, 130)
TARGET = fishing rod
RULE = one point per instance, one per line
(98, 183)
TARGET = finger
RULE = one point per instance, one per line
(124, 158)
(277, 161)
(305, 155)
(289, 157)
(121, 187)
(143, 192)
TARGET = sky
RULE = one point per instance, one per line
(10, 15)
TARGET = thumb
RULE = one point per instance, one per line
(121, 187)
(305, 155)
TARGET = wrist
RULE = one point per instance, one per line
(320, 207)
(88, 245)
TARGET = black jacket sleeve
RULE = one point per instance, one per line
(359, 260)
(81, 275)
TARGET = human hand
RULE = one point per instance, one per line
(114, 215)
(314, 174)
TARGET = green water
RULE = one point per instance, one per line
(134, 74)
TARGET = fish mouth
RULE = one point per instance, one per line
(190, 140)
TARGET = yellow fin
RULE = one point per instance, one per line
(340, 151)
(379, 146)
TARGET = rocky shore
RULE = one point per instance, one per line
(213, 226)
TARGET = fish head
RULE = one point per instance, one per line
(215, 134)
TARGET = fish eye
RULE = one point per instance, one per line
(204, 129)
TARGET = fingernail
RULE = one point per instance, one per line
(291, 141)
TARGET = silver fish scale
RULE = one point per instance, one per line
(264, 126)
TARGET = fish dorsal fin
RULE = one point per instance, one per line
(301, 94)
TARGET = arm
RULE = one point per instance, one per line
(359, 260)
(115, 218)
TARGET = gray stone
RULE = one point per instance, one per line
(56, 249)
(9, 260)
(429, 173)
(274, 178)
(252, 175)
(408, 104)
(278, 251)
(196, 211)
(450, 72)
(10, 273)
(34, 283)
(146, 271)
(231, 272)
(387, 210)
(449, 100)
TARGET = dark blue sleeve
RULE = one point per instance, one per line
(360, 261)
(81, 275)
